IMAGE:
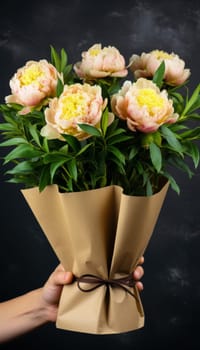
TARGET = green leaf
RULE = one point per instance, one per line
(54, 167)
(45, 145)
(104, 121)
(120, 167)
(177, 96)
(115, 132)
(7, 127)
(73, 142)
(54, 157)
(84, 149)
(171, 138)
(91, 130)
(59, 87)
(195, 154)
(139, 168)
(11, 119)
(13, 142)
(191, 134)
(72, 168)
(67, 70)
(45, 178)
(63, 59)
(179, 163)
(159, 75)
(16, 180)
(134, 151)
(196, 105)
(156, 156)
(118, 139)
(149, 190)
(114, 88)
(55, 59)
(28, 180)
(194, 116)
(178, 127)
(157, 139)
(22, 167)
(192, 101)
(69, 185)
(172, 182)
(34, 133)
(112, 127)
(117, 153)
(10, 107)
(64, 149)
(193, 151)
(22, 151)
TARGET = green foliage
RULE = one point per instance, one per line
(111, 153)
(159, 75)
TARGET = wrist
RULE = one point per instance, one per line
(38, 310)
(22, 314)
(47, 311)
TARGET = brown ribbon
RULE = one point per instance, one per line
(123, 282)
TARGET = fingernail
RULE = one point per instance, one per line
(136, 274)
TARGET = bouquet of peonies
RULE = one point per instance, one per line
(94, 152)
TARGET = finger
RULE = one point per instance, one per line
(141, 260)
(138, 273)
(60, 277)
(139, 286)
(59, 268)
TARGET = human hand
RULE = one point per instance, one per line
(28, 311)
(138, 274)
(52, 291)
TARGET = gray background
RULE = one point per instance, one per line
(171, 297)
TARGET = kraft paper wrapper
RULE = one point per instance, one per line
(102, 232)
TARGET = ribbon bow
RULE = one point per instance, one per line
(123, 282)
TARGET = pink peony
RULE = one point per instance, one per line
(77, 104)
(143, 106)
(33, 83)
(146, 65)
(100, 62)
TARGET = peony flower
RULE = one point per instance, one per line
(33, 83)
(100, 62)
(146, 65)
(143, 106)
(77, 104)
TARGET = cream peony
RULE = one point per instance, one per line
(143, 106)
(100, 62)
(146, 65)
(33, 83)
(77, 104)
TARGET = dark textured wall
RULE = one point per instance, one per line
(171, 297)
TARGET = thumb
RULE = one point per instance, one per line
(68, 277)
(61, 278)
